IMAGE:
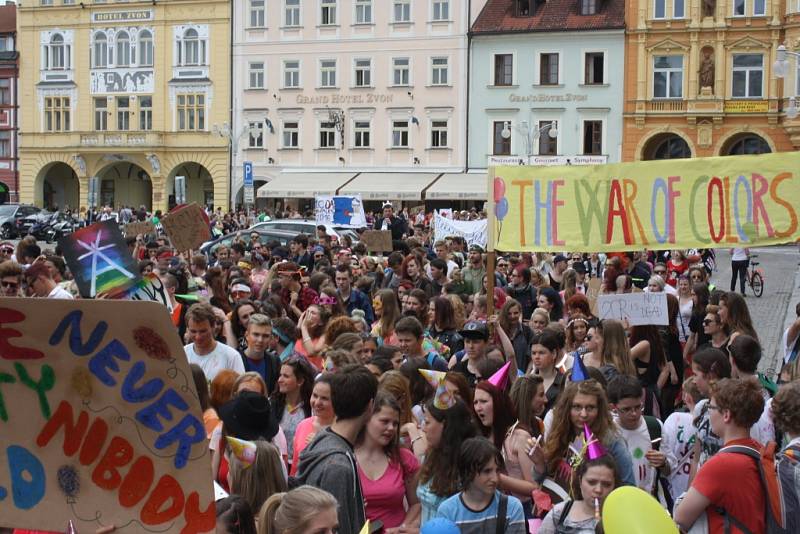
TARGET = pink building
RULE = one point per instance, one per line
(9, 69)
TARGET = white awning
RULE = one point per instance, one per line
(389, 185)
(459, 186)
(304, 184)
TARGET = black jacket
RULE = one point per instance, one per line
(270, 372)
(396, 225)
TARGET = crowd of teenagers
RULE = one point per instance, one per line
(339, 387)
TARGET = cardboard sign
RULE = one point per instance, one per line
(139, 228)
(99, 420)
(100, 260)
(187, 227)
(150, 289)
(377, 240)
(343, 211)
(593, 289)
(637, 308)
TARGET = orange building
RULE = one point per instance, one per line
(699, 79)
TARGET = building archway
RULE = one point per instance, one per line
(199, 184)
(666, 146)
(57, 187)
(124, 184)
(745, 143)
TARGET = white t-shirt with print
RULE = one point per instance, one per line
(222, 357)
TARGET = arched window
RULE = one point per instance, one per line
(58, 56)
(667, 146)
(123, 49)
(193, 48)
(100, 50)
(145, 48)
(748, 144)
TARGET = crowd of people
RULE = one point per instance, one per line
(339, 387)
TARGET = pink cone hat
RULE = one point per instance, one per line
(500, 378)
(594, 449)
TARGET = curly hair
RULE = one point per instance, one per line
(786, 408)
(742, 397)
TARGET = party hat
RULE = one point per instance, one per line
(579, 372)
(594, 449)
(365, 528)
(245, 451)
(500, 378)
(442, 399)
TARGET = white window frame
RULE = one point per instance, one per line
(194, 46)
(359, 133)
(330, 7)
(669, 73)
(99, 53)
(405, 7)
(362, 9)
(123, 122)
(585, 54)
(123, 56)
(763, 8)
(745, 10)
(747, 72)
(438, 131)
(256, 14)
(286, 70)
(146, 48)
(5, 143)
(492, 73)
(663, 5)
(292, 132)
(57, 55)
(675, 14)
(537, 75)
(325, 73)
(258, 73)
(395, 128)
(368, 71)
(436, 71)
(399, 69)
(255, 139)
(537, 148)
(603, 124)
(145, 113)
(292, 14)
(328, 128)
(100, 122)
(440, 6)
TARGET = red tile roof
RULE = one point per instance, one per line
(498, 16)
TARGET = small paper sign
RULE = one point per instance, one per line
(377, 240)
(187, 227)
(139, 228)
(638, 308)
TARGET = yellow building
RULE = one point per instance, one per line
(128, 93)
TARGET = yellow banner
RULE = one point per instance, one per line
(668, 204)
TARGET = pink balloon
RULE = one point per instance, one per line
(499, 189)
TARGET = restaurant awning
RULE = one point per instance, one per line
(304, 184)
(458, 186)
(389, 185)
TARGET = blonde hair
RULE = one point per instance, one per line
(261, 480)
(291, 512)
(459, 313)
(246, 378)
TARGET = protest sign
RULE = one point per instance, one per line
(473, 232)
(377, 240)
(730, 201)
(593, 289)
(100, 420)
(187, 227)
(150, 288)
(344, 211)
(636, 308)
(139, 227)
(100, 260)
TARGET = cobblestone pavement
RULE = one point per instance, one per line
(779, 264)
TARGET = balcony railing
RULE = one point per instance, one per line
(666, 106)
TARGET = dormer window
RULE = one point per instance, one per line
(589, 7)
(524, 7)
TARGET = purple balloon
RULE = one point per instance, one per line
(501, 209)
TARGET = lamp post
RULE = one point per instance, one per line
(225, 131)
(336, 116)
(530, 134)
(781, 70)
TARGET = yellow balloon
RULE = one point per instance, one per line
(629, 510)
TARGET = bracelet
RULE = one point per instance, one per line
(306, 339)
(413, 441)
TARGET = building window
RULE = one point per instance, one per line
(400, 71)
(668, 77)
(291, 13)
(749, 144)
(399, 134)
(123, 50)
(5, 91)
(123, 113)
(501, 138)
(594, 63)
(56, 114)
(547, 145)
(257, 14)
(660, 9)
(291, 74)
(191, 112)
(363, 11)
(548, 69)
(439, 71)
(748, 75)
(666, 146)
(438, 134)
(363, 73)
(739, 8)
(503, 69)
(101, 114)
(145, 49)
(361, 134)
(100, 51)
(401, 11)
(441, 10)
(588, 7)
(327, 134)
(291, 134)
(327, 68)
(523, 8)
(57, 54)
(592, 138)
(6, 43)
(145, 112)
(191, 49)
(5, 144)
(255, 75)
(328, 12)
(759, 8)
(256, 135)
(678, 9)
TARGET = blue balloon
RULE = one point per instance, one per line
(501, 208)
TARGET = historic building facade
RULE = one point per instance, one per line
(127, 94)
(545, 84)
(9, 62)
(700, 78)
(791, 83)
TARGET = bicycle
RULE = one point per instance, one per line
(755, 277)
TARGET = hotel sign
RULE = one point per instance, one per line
(542, 97)
(746, 106)
(339, 99)
(122, 16)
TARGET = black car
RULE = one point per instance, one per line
(9, 213)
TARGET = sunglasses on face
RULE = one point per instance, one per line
(7, 250)
(10, 285)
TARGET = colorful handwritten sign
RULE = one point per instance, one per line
(99, 420)
(669, 204)
(187, 227)
(344, 211)
(636, 308)
(100, 261)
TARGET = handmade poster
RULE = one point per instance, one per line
(636, 308)
(100, 421)
(377, 240)
(139, 228)
(187, 227)
(99, 260)
(150, 288)
(730, 201)
(593, 289)
(343, 211)
(473, 232)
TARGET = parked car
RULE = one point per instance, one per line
(209, 248)
(9, 213)
(308, 227)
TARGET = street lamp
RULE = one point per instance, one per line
(225, 131)
(531, 135)
(336, 116)
(781, 70)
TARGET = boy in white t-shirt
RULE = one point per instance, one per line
(678, 439)
(211, 355)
